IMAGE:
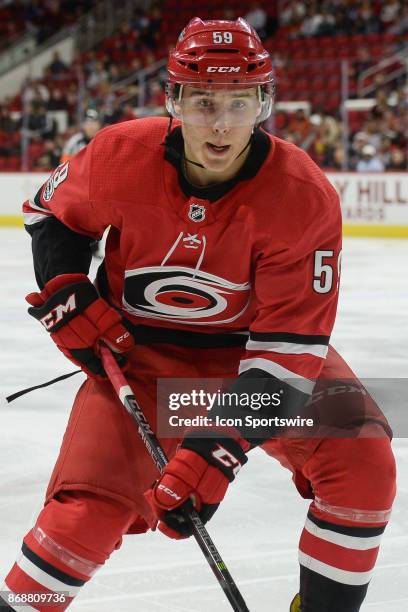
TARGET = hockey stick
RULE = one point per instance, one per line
(152, 444)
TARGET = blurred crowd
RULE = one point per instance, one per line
(377, 138)
(378, 143)
(38, 17)
(338, 17)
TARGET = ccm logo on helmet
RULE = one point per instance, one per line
(56, 314)
(223, 68)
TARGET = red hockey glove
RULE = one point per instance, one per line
(201, 470)
(70, 308)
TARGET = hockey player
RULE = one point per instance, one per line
(222, 261)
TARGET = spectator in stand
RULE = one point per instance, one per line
(156, 18)
(140, 19)
(373, 131)
(57, 101)
(299, 128)
(310, 23)
(344, 23)
(49, 159)
(36, 92)
(337, 161)
(370, 24)
(327, 25)
(370, 160)
(57, 66)
(389, 13)
(116, 112)
(400, 26)
(39, 125)
(126, 38)
(292, 11)
(97, 76)
(90, 62)
(398, 159)
(7, 124)
(258, 19)
(114, 73)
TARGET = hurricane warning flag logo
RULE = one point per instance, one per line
(184, 295)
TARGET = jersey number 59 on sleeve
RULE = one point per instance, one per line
(323, 271)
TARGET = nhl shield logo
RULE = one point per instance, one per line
(196, 213)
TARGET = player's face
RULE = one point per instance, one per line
(217, 125)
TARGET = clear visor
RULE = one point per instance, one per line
(217, 105)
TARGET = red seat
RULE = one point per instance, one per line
(319, 82)
(332, 103)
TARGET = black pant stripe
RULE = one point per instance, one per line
(357, 532)
(50, 569)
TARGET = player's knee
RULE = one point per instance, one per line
(382, 470)
(372, 472)
(93, 524)
(355, 473)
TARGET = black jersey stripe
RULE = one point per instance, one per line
(288, 337)
(50, 569)
(144, 334)
(356, 532)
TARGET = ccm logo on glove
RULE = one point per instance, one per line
(57, 313)
(173, 494)
(78, 319)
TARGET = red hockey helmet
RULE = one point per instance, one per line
(220, 54)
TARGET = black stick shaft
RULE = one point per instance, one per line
(157, 454)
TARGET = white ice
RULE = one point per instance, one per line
(258, 525)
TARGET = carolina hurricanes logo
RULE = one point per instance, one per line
(184, 295)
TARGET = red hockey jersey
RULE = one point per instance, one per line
(261, 261)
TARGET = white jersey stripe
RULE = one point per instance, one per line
(346, 541)
(288, 348)
(334, 573)
(31, 218)
(294, 380)
(47, 581)
(36, 207)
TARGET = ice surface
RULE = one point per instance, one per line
(258, 526)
